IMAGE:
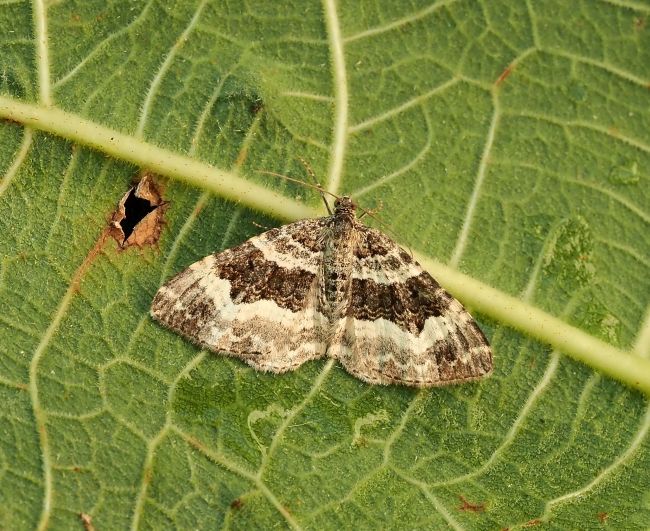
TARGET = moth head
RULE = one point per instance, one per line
(344, 206)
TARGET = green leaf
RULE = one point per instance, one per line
(509, 144)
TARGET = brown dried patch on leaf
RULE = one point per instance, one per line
(602, 517)
(256, 106)
(139, 217)
(87, 521)
(467, 506)
(237, 503)
(506, 72)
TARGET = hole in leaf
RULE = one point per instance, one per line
(135, 210)
(139, 217)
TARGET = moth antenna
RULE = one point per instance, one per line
(312, 174)
(318, 187)
(309, 170)
(372, 211)
(260, 226)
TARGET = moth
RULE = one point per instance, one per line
(327, 287)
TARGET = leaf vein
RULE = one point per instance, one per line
(406, 167)
(622, 460)
(340, 94)
(164, 68)
(99, 47)
(461, 241)
(18, 160)
(418, 100)
(532, 399)
(399, 23)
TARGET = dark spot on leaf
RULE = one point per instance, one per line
(256, 106)
(502, 77)
(470, 507)
(237, 503)
(139, 217)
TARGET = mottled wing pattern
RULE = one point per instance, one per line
(401, 326)
(256, 301)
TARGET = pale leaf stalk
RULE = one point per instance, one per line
(628, 368)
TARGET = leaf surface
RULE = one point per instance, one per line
(509, 141)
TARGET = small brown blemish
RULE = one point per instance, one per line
(196, 444)
(139, 217)
(237, 503)
(470, 507)
(256, 106)
(87, 521)
(603, 516)
(504, 75)
(90, 258)
(533, 523)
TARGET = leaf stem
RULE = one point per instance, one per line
(628, 368)
(42, 51)
(340, 132)
(226, 184)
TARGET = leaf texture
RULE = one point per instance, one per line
(508, 140)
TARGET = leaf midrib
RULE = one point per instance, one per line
(631, 369)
